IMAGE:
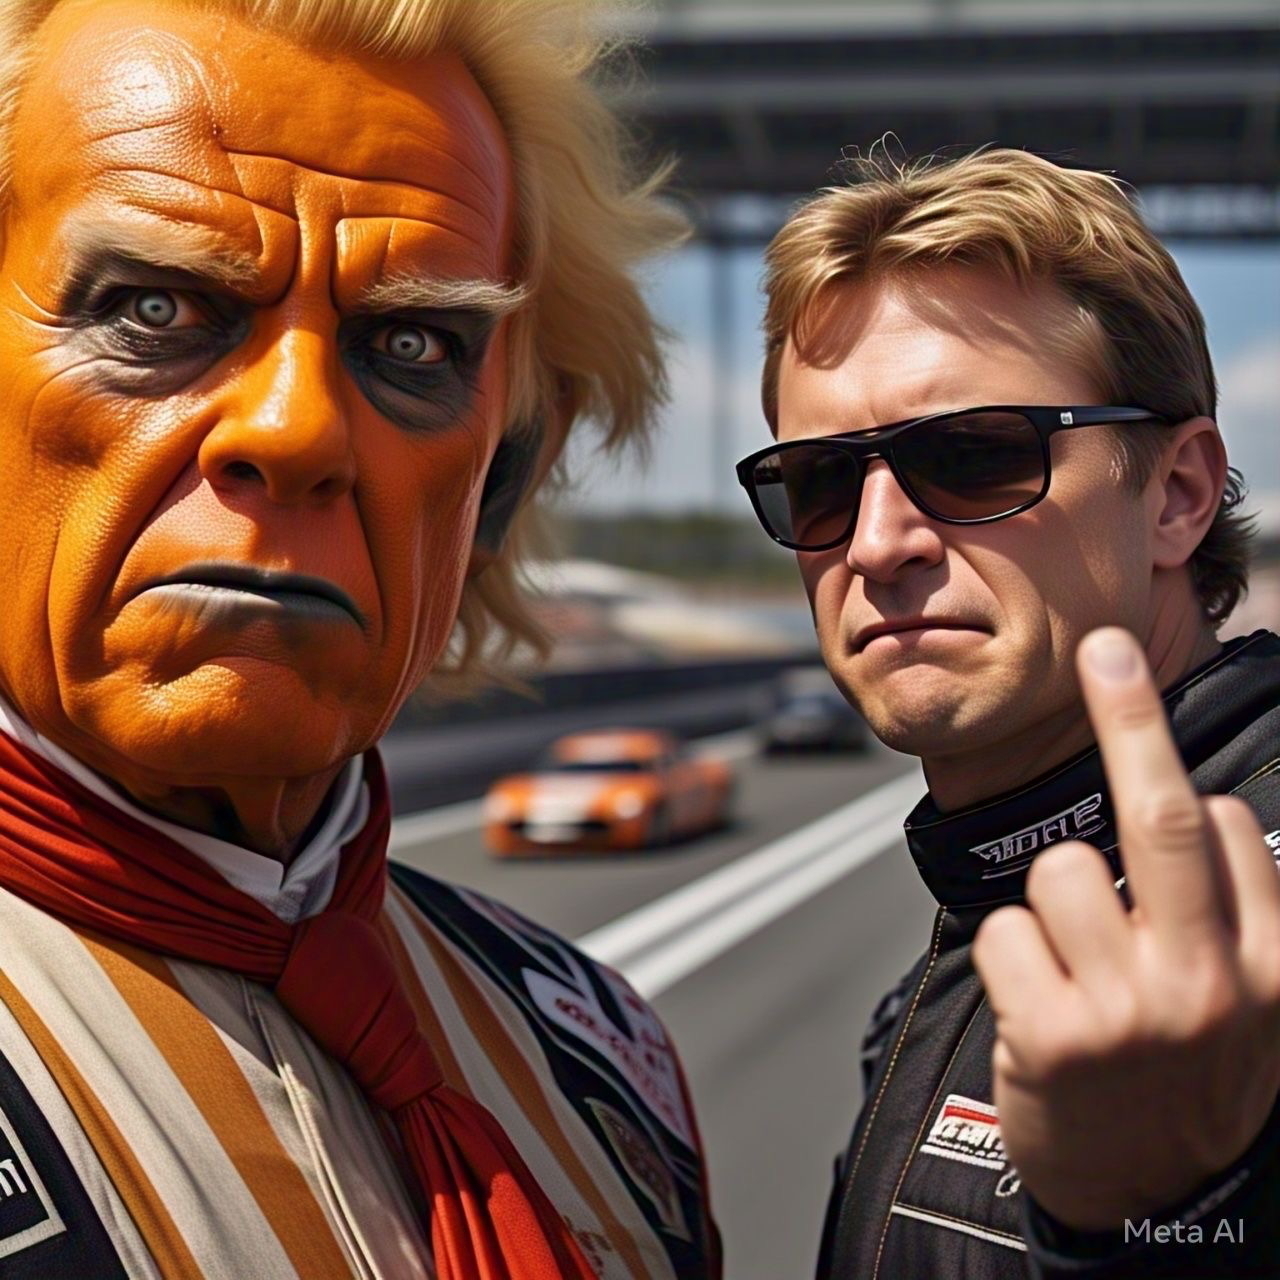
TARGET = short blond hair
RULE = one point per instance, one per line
(587, 213)
(1034, 221)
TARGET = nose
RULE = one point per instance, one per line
(284, 429)
(892, 535)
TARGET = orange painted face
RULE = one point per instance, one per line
(245, 430)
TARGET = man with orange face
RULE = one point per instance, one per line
(297, 303)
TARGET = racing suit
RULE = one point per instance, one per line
(924, 1190)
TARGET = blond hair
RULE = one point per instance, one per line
(586, 214)
(1017, 213)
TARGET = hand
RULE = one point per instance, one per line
(1137, 1052)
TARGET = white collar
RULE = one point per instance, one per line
(291, 893)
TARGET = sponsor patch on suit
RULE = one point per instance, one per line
(49, 1229)
(27, 1212)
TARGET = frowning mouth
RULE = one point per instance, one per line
(907, 627)
(298, 593)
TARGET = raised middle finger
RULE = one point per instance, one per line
(1164, 840)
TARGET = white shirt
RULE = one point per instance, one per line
(291, 893)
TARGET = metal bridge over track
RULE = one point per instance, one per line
(761, 97)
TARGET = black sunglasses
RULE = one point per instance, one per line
(970, 466)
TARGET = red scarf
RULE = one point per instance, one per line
(87, 862)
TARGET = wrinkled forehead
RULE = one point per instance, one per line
(185, 114)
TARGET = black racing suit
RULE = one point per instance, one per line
(924, 1191)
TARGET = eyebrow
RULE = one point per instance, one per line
(163, 246)
(199, 252)
(407, 291)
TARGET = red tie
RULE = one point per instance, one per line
(82, 859)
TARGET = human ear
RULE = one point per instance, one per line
(1188, 487)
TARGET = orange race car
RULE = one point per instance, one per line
(606, 789)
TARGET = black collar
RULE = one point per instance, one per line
(979, 856)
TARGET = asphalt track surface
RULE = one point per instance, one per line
(793, 923)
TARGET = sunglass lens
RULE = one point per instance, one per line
(807, 494)
(972, 466)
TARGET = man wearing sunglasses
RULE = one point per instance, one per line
(996, 460)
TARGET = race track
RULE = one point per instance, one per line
(764, 947)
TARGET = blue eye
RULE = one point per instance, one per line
(162, 309)
(156, 308)
(411, 343)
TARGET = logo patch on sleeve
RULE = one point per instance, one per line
(644, 1166)
(967, 1131)
(27, 1212)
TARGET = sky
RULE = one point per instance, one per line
(1237, 285)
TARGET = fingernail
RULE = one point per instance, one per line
(1111, 654)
